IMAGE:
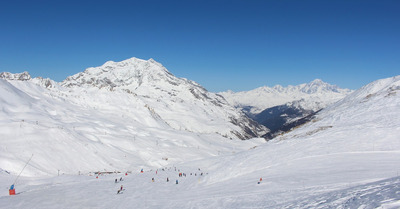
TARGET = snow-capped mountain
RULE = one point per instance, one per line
(315, 95)
(347, 156)
(118, 116)
(180, 103)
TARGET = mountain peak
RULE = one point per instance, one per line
(131, 72)
(169, 99)
(317, 81)
(15, 76)
(130, 62)
(318, 86)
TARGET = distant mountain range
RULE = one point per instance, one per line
(316, 95)
(282, 108)
(135, 113)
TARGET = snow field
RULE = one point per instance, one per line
(347, 157)
(306, 183)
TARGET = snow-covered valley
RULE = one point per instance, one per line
(348, 156)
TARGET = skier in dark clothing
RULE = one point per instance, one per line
(120, 190)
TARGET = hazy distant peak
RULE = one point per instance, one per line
(318, 85)
(279, 88)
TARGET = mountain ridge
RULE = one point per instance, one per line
(265, 97)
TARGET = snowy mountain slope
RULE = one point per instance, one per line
(366, 123)
(71, 127)
(347, 157)
(353, 142)
(317, 95)
(373, 107)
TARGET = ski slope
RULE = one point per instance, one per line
(348, 156)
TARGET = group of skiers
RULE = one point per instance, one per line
(180, 174)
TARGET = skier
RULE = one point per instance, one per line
(116, 181)
(177, 181)
(167, 179)
(12, 190)
(152, 179)
(120, 179)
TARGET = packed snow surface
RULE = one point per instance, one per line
(347, 157)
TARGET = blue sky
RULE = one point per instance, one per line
(236, 45)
